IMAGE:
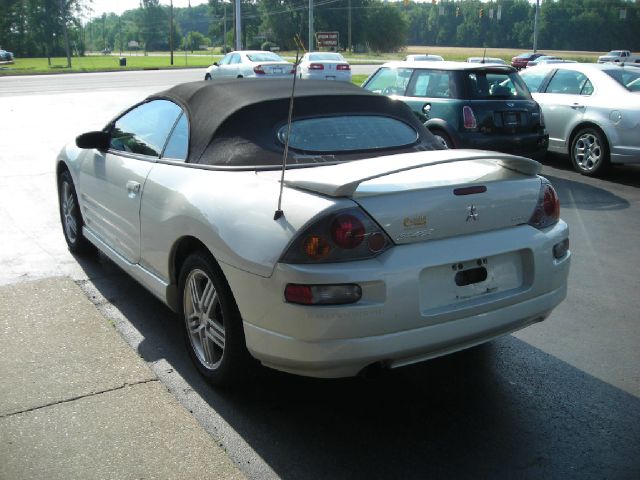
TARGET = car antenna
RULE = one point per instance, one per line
(484, 54)
(279, 213)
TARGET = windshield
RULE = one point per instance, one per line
(264, 57)
(497, 85)
(389, 81)
(347, 133)
(627, 78)
(336, 57)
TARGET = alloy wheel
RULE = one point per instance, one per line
(69, 212)
(588, 151)
(203, 317)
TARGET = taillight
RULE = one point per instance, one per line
(322, 294)
(343, 67)
(259, 70)
(469, 118)
(292, 71)
(547, 211)
(316, 66)
(338, 237)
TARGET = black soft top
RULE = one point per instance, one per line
(229, 116)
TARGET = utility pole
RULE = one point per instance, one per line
(535, 27)
(171, 30)
(349, 46)
(311, 25)
(224, 28)
(238, 27)
(63, 13)
(120, 32)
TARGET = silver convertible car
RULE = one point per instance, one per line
(372, 248)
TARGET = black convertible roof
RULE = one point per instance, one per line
(209, 104)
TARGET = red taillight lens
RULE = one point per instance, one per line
(316, 66)
(347, 231)
(292, 71)
(547, 211)
(469, 118)
(259, 70)
(343, 67)
(322, 294)
(342, 236)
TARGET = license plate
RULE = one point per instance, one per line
(510, 118)
(276, 70)
(330, 77)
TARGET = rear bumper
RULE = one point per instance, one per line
(531, 145)
(404, 315)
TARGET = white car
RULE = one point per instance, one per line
(591, 111)
(373, 248)
(423, 58)
(250, 63)
(324, 66)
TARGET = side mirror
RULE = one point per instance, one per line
(216, 64)
(98, 140)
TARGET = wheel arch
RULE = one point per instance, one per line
(582, 126)
(182, 248)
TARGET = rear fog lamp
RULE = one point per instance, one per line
(561, 249)
(322, 294)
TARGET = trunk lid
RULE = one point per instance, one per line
(423, 196)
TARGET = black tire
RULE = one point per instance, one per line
(590, 152)
(70, 216)
(212, 324)
(442, 138)
(207, 76)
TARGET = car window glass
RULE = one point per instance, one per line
(431, 83)
(264, 57)
(492, 85)
(235, 59)
(628, 78)
(226, 59)
(533, 80)
(347, 133)
(567, 82)
(390, 81)
(178, 144)
(144, 129)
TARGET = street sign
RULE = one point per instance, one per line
(327, 39)
(133, 44)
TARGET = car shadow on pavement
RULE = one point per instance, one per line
(583, 196)
(502, 410)
(621, 174)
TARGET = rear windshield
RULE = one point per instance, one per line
(347, 133)
(627, 78)
(336, 57)
(496, 85)
(264, 57)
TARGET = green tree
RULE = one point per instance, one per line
(386, 28)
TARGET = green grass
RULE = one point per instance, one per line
(97, 63)
(358, 79)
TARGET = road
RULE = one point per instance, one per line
(560, 399)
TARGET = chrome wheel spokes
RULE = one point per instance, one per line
(588, 151)
(69, 212)
(203, 316)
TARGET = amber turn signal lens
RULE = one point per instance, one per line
(316, 247)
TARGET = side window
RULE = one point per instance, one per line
(144, 129)
(431, 83)
(533, 80)
(389, 81)
(226, 59)
(178, 144)
(567, 82)
(235, 59)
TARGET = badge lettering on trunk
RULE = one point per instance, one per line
(473, 213)
(417, 221)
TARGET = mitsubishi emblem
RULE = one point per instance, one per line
(473, 213)
(510, 105)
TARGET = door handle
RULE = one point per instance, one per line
(577, 106)
(133, 188)
(426, 108)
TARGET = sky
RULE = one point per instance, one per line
(119, 6)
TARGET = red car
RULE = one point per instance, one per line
(521, 60)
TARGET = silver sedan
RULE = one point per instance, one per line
(324, 66)
(250, 63)
(592, 112)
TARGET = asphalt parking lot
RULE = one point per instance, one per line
(560, 399)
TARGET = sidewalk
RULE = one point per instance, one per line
(77, 402)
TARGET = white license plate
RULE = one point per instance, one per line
(276, 70)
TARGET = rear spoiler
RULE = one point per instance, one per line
(343, 179)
